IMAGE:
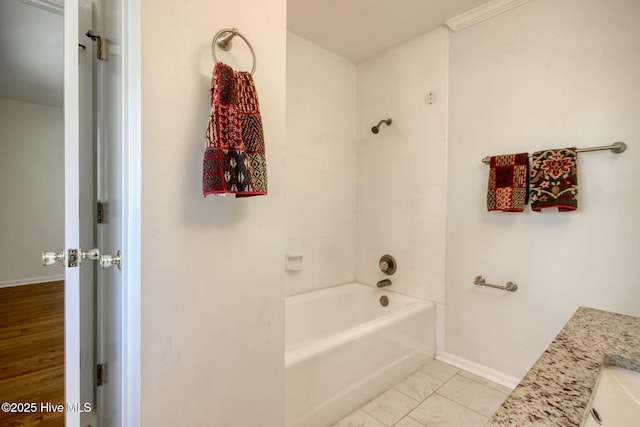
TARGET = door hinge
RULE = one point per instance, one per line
(100, 213)
(101, 52)
(101, 374)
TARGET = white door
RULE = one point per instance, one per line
(110, 136)
(93, 338)
(88, 214)
(72, 212)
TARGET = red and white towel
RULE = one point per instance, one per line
(508, 181)
(554, 180)
(234, 158)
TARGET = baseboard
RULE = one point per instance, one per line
(32, 281)
(477, 369)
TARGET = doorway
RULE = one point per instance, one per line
(32, 213)
(50, 168)
(33, 169)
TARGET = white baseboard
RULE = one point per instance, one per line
(477, 369)
(32, 281)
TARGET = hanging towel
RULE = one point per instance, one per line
(554, 180)
(252, 134)
(507, 189)
(234, 158)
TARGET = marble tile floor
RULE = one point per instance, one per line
(437, 395)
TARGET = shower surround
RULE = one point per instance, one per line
(353, 195)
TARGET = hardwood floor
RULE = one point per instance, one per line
(32, 353)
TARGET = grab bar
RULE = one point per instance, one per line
(510, 286)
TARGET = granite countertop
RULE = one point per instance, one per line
(557, 389)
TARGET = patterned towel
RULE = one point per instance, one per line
(554, 180)
(234, 158)
(507, 189)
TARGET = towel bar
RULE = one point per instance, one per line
(223, 38)
(616, 147)
(510, 286)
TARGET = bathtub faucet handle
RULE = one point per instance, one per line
(383, 283)
(387, 264)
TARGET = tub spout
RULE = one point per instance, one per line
(383, 283)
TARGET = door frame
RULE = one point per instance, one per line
(71, 205)
(131, 211)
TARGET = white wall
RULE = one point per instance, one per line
(320, 166)
(212, 269)
(31, 190)
(546, 74)
(402, 170)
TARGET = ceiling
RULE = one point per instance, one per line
(31, 52)
(360, 29)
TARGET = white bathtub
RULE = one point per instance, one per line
(343, 348)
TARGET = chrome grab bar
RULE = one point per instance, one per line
(510, 286)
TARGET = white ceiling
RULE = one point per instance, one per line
(359, 29)
(31, 53)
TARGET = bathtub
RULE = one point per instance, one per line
(343, 348)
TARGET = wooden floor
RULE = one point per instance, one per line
(32, 352)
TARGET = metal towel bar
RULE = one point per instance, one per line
(223, 38)
(510, 286)
(616, 147)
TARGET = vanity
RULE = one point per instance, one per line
(558, 389)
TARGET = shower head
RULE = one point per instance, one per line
(376, 128)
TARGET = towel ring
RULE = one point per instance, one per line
(223, 40)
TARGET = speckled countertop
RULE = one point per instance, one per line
(557, 389)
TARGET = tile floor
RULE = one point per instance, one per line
(437, 395)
